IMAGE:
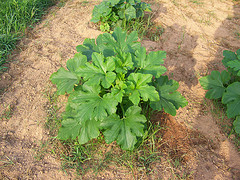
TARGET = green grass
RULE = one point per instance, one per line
(237, 34)
(5, 161)
(146, 28)
(15, 17)
(196, 2)
(7, 113)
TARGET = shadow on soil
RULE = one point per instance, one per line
(228, 39)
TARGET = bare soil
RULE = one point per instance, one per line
(196, 33)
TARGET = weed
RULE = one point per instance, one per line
(197, 2)
(146, 28)
(237, 34)
(52, 107)
(7, 113)
(182, 40)
(7, 162)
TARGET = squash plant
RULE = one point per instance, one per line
(226, 86)
(112, 13)
(109, 81)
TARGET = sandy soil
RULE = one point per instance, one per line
(196, 33)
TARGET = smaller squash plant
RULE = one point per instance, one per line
(113, 13)
(110, 81)
(226, 86)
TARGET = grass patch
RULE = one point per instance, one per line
(7, 113)
(196, 2)
(237, 34)
(15, 17)
(146, 28)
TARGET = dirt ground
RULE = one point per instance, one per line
(196, 33)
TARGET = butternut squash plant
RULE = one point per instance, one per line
(109, 81)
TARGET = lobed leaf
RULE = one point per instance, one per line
(138, 87)
(232, 99)
(123, 63)
(90, 105)
(98, 71)
(235, 65)
(170, 99)
(150, 64)
(90, 46)
(120, 42)
(89, 130)
(114, 2)
(126, 130)
(69, 130)
(101, 10)
(130, 13)
(65, 80)
(214, 83)
(78, 60)
(228, 56)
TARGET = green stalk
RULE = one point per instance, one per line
(122, 109)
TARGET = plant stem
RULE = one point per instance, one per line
(123, 111)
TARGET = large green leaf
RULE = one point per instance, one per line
(90, 105)
(231, 61)
(69, 129)
(138, 87)
(78, 60)
(85, 131)
(89, 46)
(130, 13)
(235, 65)
(121, 42)
(132, 2)
(114, 2)
(170, 99)
(99, 71)
(236, 124)
(124, 63)
(64, 79)
(76, 126)
(228, 56)
(150, 64)
(215, 84)
(110, 44)
(118, 91)
(101, 10)
(126, 130)
(89, 130)
(232, 99)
